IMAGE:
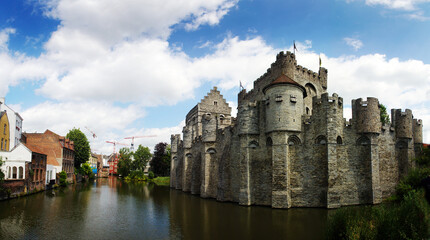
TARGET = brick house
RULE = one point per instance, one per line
(58, 149)
(37, 180)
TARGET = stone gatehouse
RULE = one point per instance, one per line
(290, 145)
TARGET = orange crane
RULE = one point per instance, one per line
(133, 137)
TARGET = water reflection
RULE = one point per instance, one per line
(113, 209)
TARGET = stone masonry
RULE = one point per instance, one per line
(290, 145)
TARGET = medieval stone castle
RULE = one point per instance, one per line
(290, 145)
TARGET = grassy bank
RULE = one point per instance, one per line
(162, 181)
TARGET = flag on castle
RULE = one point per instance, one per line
(294, 47)
(320, 59)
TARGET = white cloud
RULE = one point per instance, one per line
(354, 43)
(398, 4)
(4, 38)
(112, 21)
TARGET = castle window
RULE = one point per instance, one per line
(278, 98)
(211, 151)
(294, 140)
(307, 110)
(293, 98)
(215, 103)
(253, 144)
(363, 140)
(269, 142)
(339, 140)
(267, 101)
(189, 155)
(221, 116)
(321, 140)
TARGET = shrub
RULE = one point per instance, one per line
(151, 175)
(63, 178)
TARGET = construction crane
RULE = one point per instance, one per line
(116, 143)
(133, 137)
(94, 135)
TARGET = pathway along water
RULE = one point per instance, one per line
(113, 209)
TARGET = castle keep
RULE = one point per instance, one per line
(290, 145)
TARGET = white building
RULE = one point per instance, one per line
(14, 161)
(15, 123)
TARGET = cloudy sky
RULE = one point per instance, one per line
(136, 67)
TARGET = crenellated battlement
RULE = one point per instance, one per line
(334, 100)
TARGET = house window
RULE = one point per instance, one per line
(4, 130)
(2, 144)
(14, 172)
(21, 173)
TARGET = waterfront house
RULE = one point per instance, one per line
(58, 149)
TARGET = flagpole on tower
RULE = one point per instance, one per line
(294, 47)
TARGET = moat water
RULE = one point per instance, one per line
(113, 209)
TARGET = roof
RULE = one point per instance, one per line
(34, 148)
(426, 145)
(284, 79)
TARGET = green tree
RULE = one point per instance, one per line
(124, 162)
(160, 163)
(141, 158)
(385, 119)
(1, 172)
(82, 146)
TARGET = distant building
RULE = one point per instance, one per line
(113, 164)
(4, 132)
(15, 123)
(93, 162)
(59, 150)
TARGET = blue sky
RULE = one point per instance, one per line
(124, 68)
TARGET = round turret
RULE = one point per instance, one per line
(209, 127)
(248, 118)
(403, 123)
(284, 105)
(417, 129)
(367, 115)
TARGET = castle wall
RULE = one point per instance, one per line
(388, 163)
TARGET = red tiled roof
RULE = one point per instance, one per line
(426, 145)
(284, 79)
